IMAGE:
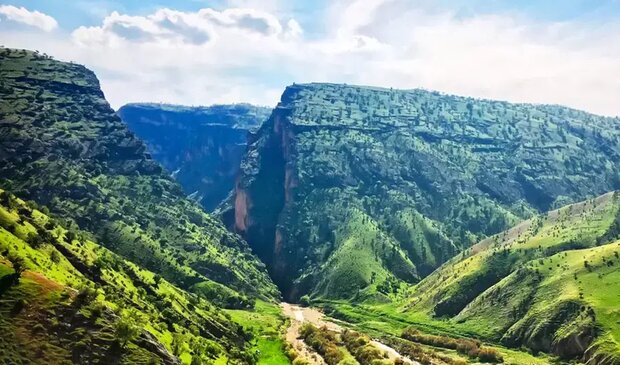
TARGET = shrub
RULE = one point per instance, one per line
(304, 300)
(85, 297)
(486, 354)
(323, 342)
(359, 345)
(34, 240)
(127, 328)
(18, 263)
(301, 361)
(468, 347)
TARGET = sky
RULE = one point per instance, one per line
(201, 52)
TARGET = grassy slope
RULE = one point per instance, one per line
(62, 146)
(56, 271)
(266, 322)
(546, 298)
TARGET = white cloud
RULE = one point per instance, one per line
(32, 18)
(167, 26)
(251, 54)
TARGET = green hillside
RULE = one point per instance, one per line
(77, 302)
(350, 192)
(550, 284)
(201, 147)
(62, 146)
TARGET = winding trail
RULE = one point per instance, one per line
(298, 315)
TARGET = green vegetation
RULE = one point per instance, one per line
(201, 146)
(77, 301)
(322, 341)
(62, 146)
(364, 351)
(107, 261)
(266, 323)
(467, 347)
(387, 208)
(359, 191)
(550, 284)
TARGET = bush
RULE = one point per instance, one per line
(84, 297)
(322, 341)
(127, 328)
(468, 347)
(359, 345)
(34, 240)
(304, 300)
(486, 354)
(19, 265)
(301, 361)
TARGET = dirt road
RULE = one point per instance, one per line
(298, 315)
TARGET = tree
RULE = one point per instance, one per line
(196, 360)
(127, 328)
(34, 240)
(178, 343)
(18, 265)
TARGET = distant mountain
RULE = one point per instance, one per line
(201, 146)
(552, 284)
(347, 192)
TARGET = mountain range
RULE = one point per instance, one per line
(442, 229)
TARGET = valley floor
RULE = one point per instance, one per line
(386, 323)
(299, 315)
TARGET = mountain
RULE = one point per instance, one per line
(201, 146)
(349, 192)
(551, 283)
(105, 223)
(62, 146)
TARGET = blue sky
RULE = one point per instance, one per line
(203, 52)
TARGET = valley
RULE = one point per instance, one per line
(350, 225)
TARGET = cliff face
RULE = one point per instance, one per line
(349, 191)
(200, 146)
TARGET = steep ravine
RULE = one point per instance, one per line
(258, 207)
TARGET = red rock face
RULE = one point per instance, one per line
(241, 210)
(264, 191)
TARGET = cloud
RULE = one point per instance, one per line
(167, 26)
(31, 18)
(251, 53)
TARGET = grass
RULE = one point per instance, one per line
(558, 262)
(181, 321)
(267, 324)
